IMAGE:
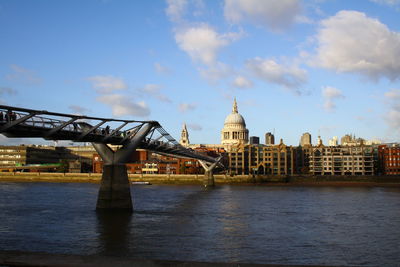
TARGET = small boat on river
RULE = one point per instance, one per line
(141, 183)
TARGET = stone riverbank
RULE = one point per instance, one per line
(198, 179)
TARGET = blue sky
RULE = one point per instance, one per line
(324, 67)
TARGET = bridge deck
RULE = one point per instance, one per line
(21, 122)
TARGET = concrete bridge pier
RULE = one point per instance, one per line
(115, 192)
(208, 172)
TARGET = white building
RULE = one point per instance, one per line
(234, 131)
(333, 141)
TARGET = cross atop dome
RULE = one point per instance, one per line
(235, 108)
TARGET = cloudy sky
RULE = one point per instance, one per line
(325, 67)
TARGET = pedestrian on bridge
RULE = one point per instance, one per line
(9, 115)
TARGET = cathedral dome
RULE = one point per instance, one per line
(234, 131)
(235, 118)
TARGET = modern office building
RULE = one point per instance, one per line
(269, 139)
(305, 139)
(254, 140)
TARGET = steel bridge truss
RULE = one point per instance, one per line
(22, 122)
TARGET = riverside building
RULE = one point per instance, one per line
(31, 154)
(24, 155)
(240, 156)
(341, 160)
(261, 159)
(389, 159)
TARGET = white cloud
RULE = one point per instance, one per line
(216, 72)
(330, 94)
(394, 94)
(276, 15)
(199, 40)
(387, 2)
(23, 75)
(291, 77)
(154, 91)
(199, 7)
(304, 20)
(123, 106)
(392, 117)
(175, 9)
(184, 107)
(202, 42)
(78, 109)
(242, 82)
(107, 84)
(195, 127)
(352, 42)
(161, 69)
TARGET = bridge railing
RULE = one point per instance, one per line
(21, 122)
(34, 121)
(9, 116)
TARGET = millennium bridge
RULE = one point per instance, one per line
(124, 135)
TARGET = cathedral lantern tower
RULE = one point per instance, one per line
(184, 141)
(234, 131)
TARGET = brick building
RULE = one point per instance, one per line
(389, 159)
(147, 162)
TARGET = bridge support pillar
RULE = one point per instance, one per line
(115, 189)
(114, 192)
(208, 180)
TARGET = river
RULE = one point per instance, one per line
(252, 224)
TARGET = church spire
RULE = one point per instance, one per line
(184, 136)
(235, 108)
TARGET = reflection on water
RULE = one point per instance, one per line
(113, 230)
(259, 224)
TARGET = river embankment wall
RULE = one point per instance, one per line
(196, 179)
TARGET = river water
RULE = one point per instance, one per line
(253, 224)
